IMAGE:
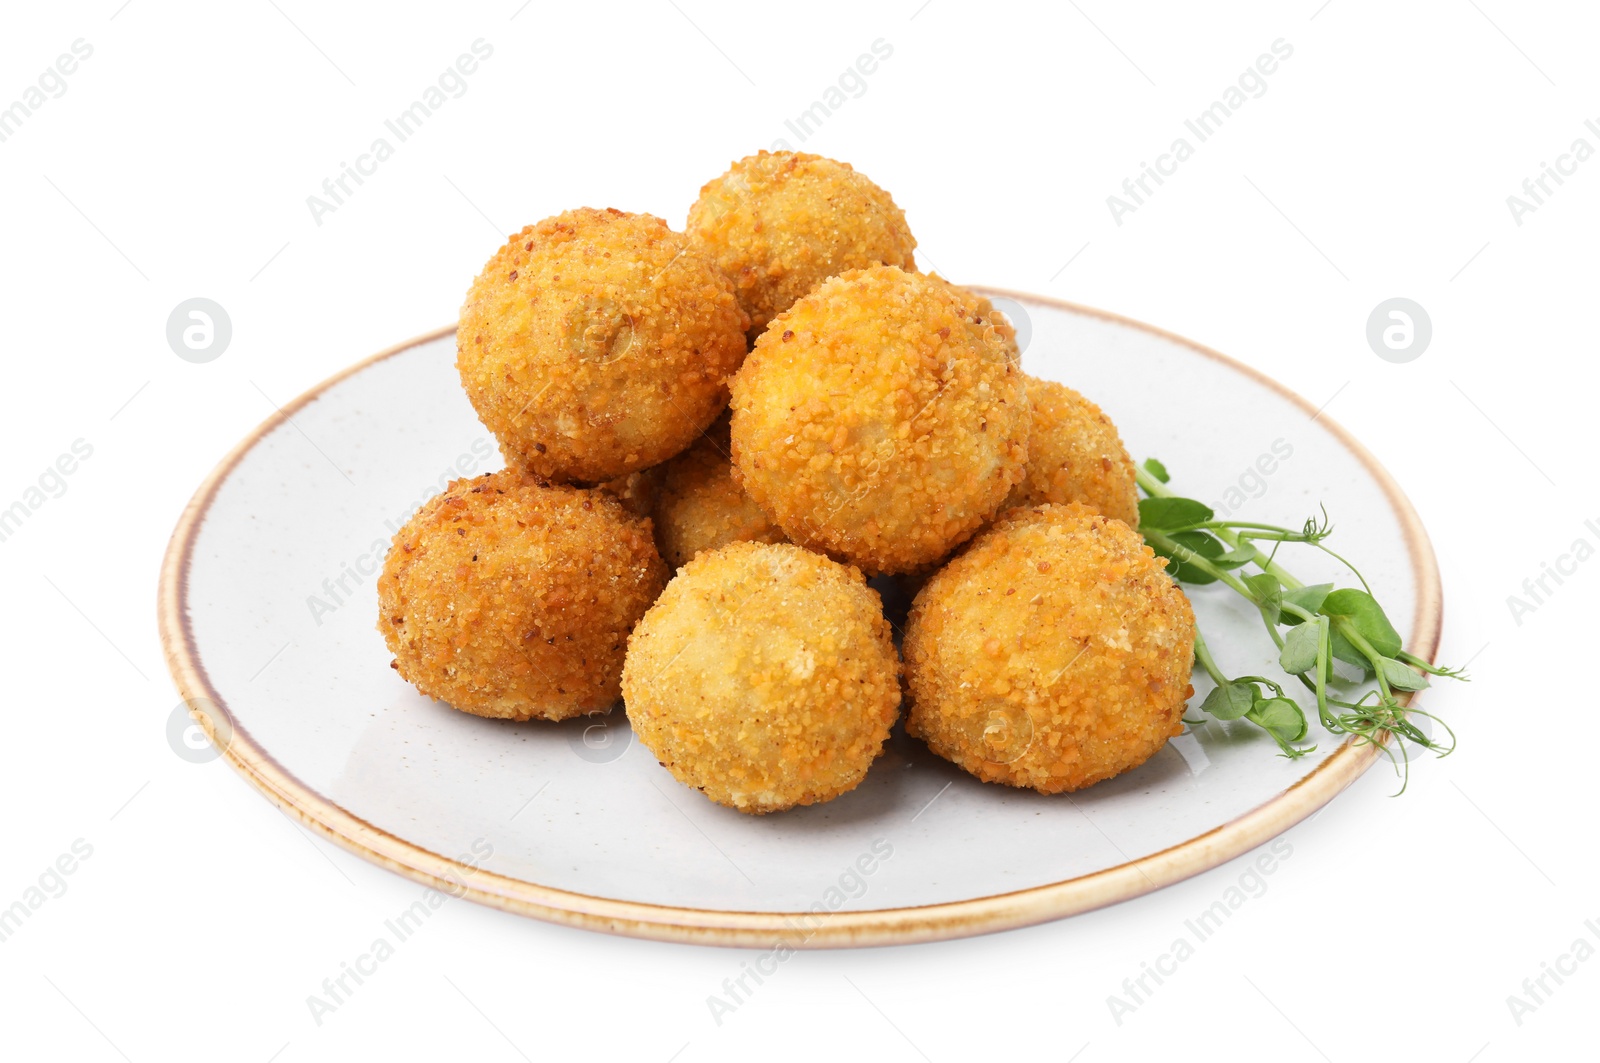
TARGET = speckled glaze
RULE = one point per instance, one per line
(274, 563)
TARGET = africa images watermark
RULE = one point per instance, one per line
(1204, 126)
(50, 85)
(337, 989)
(851, 84)
(50, 885)
(50, 484)
(1250, 885)
(1538, 589)
(1252, 482)
(1536, 190)
(1537, 990)
(851, 884)
(336, 190)
(338, 589)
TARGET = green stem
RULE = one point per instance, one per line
(1199, 561)
(1432, 669)
(1324, 665)
(1160, 490)
(1202, 655)
(1356, 639)
(1262, 561)
(1366, 722)
(1266, 532)
(1356, 571)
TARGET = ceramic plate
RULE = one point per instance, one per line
(268, 606)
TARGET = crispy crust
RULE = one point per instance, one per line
(597, 343)
(636, 491)
(700, 506)
(882, 419)
(512, 598)
(1054, 652)
(765, 676)
(780, 223)
(1075, 455)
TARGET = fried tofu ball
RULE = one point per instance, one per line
(1052, 653)
(700, 506)
(764, 676)
(597, 343)
(780, 223)
(883, 418)
(1075, 455)
(512, 598)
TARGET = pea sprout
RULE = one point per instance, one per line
(1312, 625)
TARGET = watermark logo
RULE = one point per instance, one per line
(199, 330)
(1004, 733)
(602, 739)
(1399, 330)
(1017, 314)
(194, 741)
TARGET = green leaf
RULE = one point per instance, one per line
(1344, 650)
(1203, 543)
(1172, 514)
(1401, 677)
(1308, 598)
(1237, 558)
(1281, 717)
(1269, 594)
(1231, 700)
(1158, 470)
(1300, 649)
(1366, 616)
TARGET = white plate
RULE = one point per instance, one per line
(268, 605)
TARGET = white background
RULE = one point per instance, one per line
(1378, 163)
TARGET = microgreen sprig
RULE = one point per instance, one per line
(1312, 626)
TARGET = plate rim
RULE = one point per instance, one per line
(884, 926)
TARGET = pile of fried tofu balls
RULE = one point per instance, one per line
(776, 405)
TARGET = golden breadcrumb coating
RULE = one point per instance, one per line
(883, 418)
(978, 307)
(780, 223)
(597, 343)
(636, 491)
(700, 506)
(1052, 653)
(764, 676)
(513, 598)
(1075, 455)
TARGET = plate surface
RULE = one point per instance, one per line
(268, 607)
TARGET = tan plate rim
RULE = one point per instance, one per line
(888, 926)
